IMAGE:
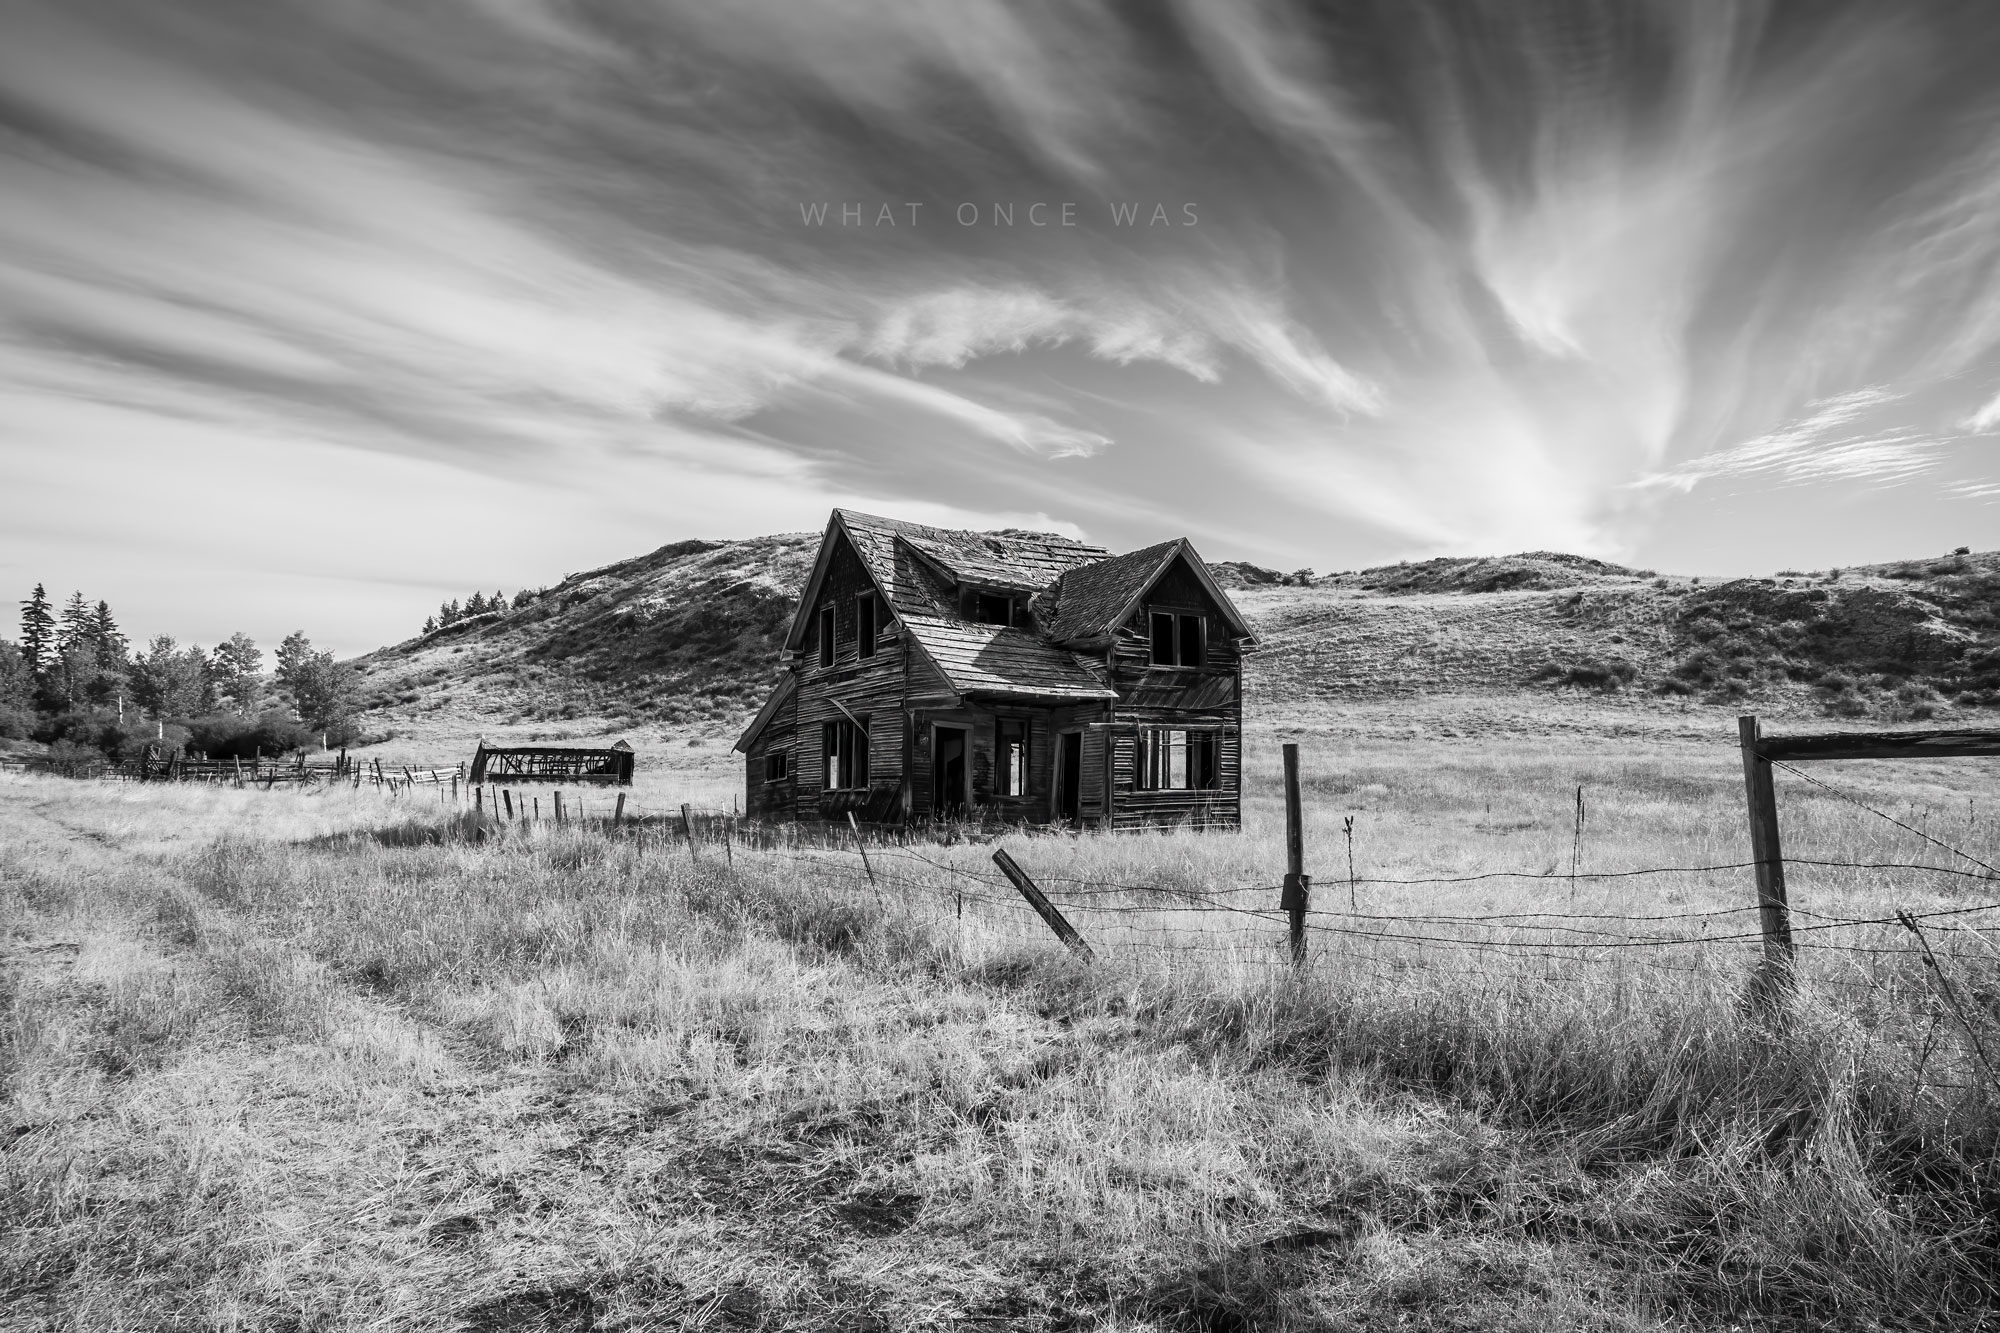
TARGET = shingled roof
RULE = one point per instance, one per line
(1029, 561)
(1090, 600)
(995, 659)
(1091, 589)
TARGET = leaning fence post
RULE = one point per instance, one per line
(508, 796)
(863, 847)
(618, 814)
(1773, 911)
(1043, 907)
(687, 827)
(1298, 885)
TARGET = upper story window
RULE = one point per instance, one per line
(864, 624)
(1178, 639)
(992, 608)
(826, 636)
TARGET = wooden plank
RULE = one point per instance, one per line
(1959, 744)
(1054, 919)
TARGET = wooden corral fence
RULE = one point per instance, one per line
(611, 766)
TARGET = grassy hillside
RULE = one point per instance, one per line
(686, 637)
(684, 641)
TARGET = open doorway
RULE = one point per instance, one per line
(1069, 775)
(951, 788)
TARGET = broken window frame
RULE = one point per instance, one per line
(1177, 638)
(844, 754)
(1178, 759)
(1011, 773)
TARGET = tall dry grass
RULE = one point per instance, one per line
(1188, 1133)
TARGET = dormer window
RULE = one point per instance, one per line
(989, 608)
(1178, 639)
(826, 636)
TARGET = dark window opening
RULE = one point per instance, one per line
(826, 636)
(992, 609)
(1178, 640)
(1191, 641)
(777, 766)
(1179, 760)
(846, 749)
(864, 624)
(1010, 767)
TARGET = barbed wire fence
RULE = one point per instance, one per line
(1247, 921)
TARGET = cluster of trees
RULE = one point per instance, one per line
(476, 605)
(73, 680)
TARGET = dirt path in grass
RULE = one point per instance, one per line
(204, 1128)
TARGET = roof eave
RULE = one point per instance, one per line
(764, 715)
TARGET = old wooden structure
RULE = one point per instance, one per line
(553, 763)
(933, 674)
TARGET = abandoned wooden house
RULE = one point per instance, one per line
(933, 674)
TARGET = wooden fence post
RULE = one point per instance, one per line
(559, 808)
(1298, 885)
(1774, 913)
(508, 797)
(618, 811)
(866, 864)
(1043, 907)
(687, 827)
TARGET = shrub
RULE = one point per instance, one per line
(1610, 674)
(74, 760)
(225, 736)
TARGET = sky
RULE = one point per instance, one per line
(314, 313)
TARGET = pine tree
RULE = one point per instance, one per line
(38, 634)
(430, 624)
(236, 666)
(73, 627)
(110, 642)
(475, 605)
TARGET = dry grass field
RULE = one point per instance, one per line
(319, 1061)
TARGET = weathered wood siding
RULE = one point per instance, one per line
(872, 689)
(1204, 698)
(773, 800)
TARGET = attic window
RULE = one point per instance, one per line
(864, 624)
(990, 608)
(1178, 639)
(826, 636)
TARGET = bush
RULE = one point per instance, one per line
(226, 736)
(74, 760)
(15, 723)
(1610, 674)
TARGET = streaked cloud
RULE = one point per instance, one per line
(1323, 287)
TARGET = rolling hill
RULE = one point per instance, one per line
(686, 639)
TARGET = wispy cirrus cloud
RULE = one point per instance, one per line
(1827, 444)
(1460, 279)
